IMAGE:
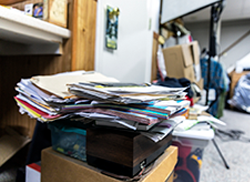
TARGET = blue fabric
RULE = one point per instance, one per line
(216, 81)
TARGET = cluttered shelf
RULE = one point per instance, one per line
(25, 35)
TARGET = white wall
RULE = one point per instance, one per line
(176, 8)
(230, 32)
(131, 62)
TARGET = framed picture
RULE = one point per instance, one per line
(112, 27)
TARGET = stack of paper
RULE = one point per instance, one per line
(47, 98)
(105, 100)
(125, 93)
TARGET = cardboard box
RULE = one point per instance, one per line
(200, 83)
(67, 169)
(183, 61)
(234, 80)
(55, 12)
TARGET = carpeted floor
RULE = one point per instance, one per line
(235, 152)
(8, 175)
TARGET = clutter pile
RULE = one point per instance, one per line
(100, 120)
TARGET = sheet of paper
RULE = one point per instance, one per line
(57, 84)
(163, 129)
(37, 105)
(212, 119)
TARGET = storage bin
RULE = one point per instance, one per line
(68, 140)
(191, 144)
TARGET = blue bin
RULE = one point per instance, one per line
(68, 140)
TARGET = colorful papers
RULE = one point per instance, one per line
(104, 100)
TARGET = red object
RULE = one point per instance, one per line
(190, 38)
(190, 99)
(183, 153)
(35, 167)
(43, 114)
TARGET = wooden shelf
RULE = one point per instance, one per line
(24, 35)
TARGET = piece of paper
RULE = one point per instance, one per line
(212, 119)
(56, 84)
(144, 94)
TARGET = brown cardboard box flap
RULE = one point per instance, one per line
(67, 169)
(195, 49)
(10, 144)
(187, 55)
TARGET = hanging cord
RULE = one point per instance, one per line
(232, 135)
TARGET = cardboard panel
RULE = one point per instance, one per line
(187, 55)
(195, 52)
(173, 61)
(67, 169)
(189, 73)
(183, 61)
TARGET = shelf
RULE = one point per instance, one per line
(21, 35)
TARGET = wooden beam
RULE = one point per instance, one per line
(84, 27)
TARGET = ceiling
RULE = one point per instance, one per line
(233, 10)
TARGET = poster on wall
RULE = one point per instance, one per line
(112, 27)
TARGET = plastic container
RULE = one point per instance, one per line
(191, 144)
(68, 140)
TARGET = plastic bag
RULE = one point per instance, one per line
(241, 98)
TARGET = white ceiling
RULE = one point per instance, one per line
(233, 10)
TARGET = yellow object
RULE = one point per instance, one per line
(114, 12)
(161, 39)
(198, 159)
(76, 147)
(59, 149)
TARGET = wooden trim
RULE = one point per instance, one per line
(156, 36)
(74, 34)
(84, 27)
(154, 57)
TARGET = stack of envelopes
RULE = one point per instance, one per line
(104, 99)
